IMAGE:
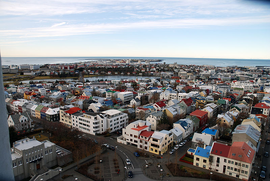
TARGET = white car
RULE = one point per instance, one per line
(128, 161)
(176, 147)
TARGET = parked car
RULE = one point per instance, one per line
(172, 151)
(262, 174)
(176, 147)
(268, 142)
(136, 154)
(128, 162)
(112, 148)
(264, 168)
(130, 174)
(266, 154)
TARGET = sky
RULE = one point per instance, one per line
(135, 28)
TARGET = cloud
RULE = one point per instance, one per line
(82, 29)
(58, 24)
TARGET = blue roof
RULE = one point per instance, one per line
(149, 107)
(210, 131)
(203, 152)
(191, 150)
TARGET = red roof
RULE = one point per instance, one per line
(160, 104)
(241, 151)
(188, 101)
(198, 113)
(261, 115)
(42, 97)
(229, 99)
(262, 105)
(220, 149)
(147, 133)
(139, 128)
(73, 110)
(141, 108)
(44, 109)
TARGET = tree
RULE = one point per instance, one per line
(94, 92)
(164, 118)
(141, 115)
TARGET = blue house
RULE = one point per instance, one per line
(212, 132)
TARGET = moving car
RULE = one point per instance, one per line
(128, 161)
(130, 174)
(266, 154)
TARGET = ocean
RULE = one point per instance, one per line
(188, 61)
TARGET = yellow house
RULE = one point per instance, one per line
(27, 95)
(203, 94)
(160, 142)
(201, 157)
(37, 111)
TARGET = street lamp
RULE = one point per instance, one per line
(60, 170)
(211, 173)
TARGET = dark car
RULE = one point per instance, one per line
(130, 174)
(264, 168)
(262, 174)
(112, 148)
(268, 142)
(266, 154)
(136, 154)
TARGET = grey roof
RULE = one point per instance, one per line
(16, 117)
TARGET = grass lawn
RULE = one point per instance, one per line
(188, 159)
(39, 138)
(191, 170)
(8, 75)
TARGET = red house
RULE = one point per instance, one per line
(202, 115)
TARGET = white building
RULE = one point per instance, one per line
(126, 97)
(29, 156)
(93, 123)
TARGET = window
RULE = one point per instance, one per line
(225, 160)
(246, 172)
(204, 161)
(236, 163)
(197, 159)
(242, 171)
(26, 160)
(217, 165)
(229, 161)
(243, 165)
(235, 169)
(197, 164)
(230, 173)
(218, 159)
(232, 162)
(204, 166)
(246, 166)
(229, 167)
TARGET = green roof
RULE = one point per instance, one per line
(39, 107)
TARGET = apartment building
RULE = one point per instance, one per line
(160, 142)
(126, 97)
(98, 123)
(132, 133)
(29, 156)
(66, 115)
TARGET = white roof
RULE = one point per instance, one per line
(15, 155)
(27, 143)
(205, 138)
(111, 112)
(208, 109)
(249, 130)
(226, 117)
(51, 111)
(172, 110)
(176, 131)
(158, 135)
(33, 108)
(47, 143)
